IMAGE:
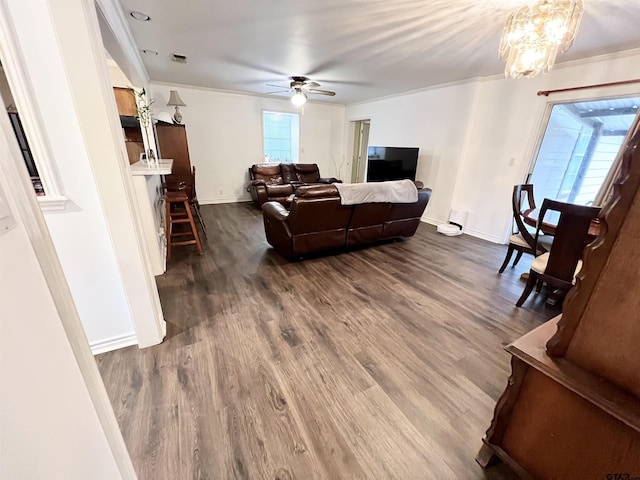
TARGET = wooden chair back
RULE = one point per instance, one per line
(570, 237)
(183, 182)
(523, 197)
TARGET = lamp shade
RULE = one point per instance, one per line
(175, 100)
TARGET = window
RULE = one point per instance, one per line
(281, 132)
(26, 152)
(24, 115)
(579, 148)
(18, 130)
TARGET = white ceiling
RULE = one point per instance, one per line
(360, 49)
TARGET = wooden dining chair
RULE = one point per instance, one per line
(558, 267)
(521, 239)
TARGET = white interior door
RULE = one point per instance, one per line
(360, 148)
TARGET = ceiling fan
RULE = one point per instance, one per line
(301, 88)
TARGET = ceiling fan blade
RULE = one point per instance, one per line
(311, 85)
(277, 91)
(277, 86)
(321, 92)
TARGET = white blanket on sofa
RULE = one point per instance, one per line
(397, 191)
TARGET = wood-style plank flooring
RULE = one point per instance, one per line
(380, 363)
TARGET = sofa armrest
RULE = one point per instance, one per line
(258, 191)
(329, 180)
(276, 228)
(275, 210)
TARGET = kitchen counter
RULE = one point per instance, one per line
(163, 167)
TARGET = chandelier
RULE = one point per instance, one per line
(534, 35)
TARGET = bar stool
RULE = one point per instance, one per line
(180, 214)
(187, 182)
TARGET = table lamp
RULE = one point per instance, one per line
(176, 101)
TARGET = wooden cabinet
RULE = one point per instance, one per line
(126, 101)
(571, 408)
(172, 142)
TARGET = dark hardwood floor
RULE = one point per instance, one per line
(379, 363)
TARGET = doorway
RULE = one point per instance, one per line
(360, 147)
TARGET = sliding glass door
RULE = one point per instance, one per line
(580, 147)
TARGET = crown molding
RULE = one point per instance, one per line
(488, 78)
(115, 17)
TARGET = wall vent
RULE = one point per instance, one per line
(179, 58)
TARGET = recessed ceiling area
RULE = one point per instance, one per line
(360, 50)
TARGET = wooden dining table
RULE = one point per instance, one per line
(550, 222)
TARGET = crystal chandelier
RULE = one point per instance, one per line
(534, 35)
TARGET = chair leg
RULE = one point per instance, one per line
(533, 278)
(196, 210)
(187, 207)
(506, 259)
(539, 285)
(518, 257)
(168, 228)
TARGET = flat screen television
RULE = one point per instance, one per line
(391, 163)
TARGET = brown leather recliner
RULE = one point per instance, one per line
(276, 181)
(317, 221)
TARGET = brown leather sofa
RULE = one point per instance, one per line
(317, 221)
(274, 182)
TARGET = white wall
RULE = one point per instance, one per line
(468, 134)
(433, 120)
(55, 421)
(224, 132)
(80, 232)
(96, 236)
(116, 75)
(507, 123)
(48, 428)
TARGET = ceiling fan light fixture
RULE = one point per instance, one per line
(535, 34)
(299, 98)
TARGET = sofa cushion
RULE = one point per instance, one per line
(288, 172)
(307, 172)
(368, 214)
(279, 190)
(312, 215)
(366, 223)
(269, 172)
(317, 191)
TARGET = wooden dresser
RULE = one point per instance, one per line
(571, 408)
(172, 142)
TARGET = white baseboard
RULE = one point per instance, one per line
(468, 231)
(431, 221)
(113, 343)
(214, 201)
(483, 235)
